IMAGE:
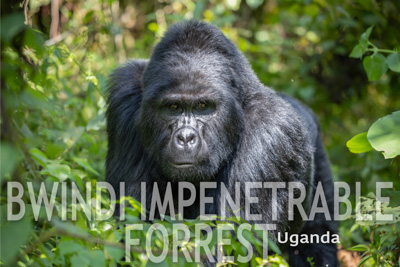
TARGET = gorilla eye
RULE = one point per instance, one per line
(173, 107)
(204, 108)
(201, 106)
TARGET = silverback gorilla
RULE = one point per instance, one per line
(197, 112)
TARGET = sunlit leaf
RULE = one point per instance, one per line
(364, 260)
(254, 3)
(359, 144)
(59, 171)
(233, 4)
(384, 135)
(38, 156)
(360, 247)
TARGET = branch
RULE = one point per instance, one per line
(55, 17)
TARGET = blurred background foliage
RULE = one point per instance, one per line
(56, 56)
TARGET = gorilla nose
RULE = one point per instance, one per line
(186, 137)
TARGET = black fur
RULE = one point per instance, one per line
(254, 135)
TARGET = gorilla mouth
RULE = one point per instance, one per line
(182, 165)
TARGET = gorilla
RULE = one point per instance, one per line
(197, 112)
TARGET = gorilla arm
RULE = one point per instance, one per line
(275, 147)
(126, 160)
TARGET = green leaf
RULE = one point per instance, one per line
(80, 260)
(13, 234)
(11, 25)
(9, 159)
(97, 122)
(68, 227)
(59, 171)
(359, 144)
(394, 198)
(69, 247)
(357, 51)
(114, 253)
(160, 264)
(360, 247)
(364, 260)
(253, 4)
(83, 163)
(54, 150)
(35, 99)
(384, 135)
(364, 38)
(312, 10)
(272, 246)
(35, 40)
(97, 258)
(393, 62)
(38, 156)
(375, 66)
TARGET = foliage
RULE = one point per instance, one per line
(376, 64)
(383, 135)
(53, 104)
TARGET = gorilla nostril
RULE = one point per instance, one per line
(185, 137)
(191, 138)
(181, 138)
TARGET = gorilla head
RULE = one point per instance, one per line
(189, 119)
(196, 112)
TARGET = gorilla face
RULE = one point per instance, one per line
(190, 123)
